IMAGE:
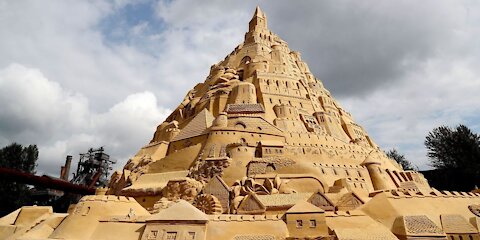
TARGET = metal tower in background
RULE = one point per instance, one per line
(93, 168)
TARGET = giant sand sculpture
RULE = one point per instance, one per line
(260, 150)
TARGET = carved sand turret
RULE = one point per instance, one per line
(261, 150)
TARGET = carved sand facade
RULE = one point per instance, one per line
(260, 150)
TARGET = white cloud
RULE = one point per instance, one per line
(39, 111)
(442, 93)
(37, 104)
(62, 38)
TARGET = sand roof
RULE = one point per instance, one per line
(305, 207)
(180, 211)
(197, 126)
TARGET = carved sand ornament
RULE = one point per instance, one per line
(248, 185)
(475, 209)
(208, 204)
(161, 204)
(182, 188)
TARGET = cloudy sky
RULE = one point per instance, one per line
(80, 74)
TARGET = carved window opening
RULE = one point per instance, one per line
(246, 60)
(86, 211)
(240, 125)
(153, 235)
(313, 223)
(190, 236)
(171, 236)
(299, 223)
(240, 75)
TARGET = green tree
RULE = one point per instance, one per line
(400, 159)
(12, 194)
(455, 153)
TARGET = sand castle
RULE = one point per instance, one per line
(260, 150)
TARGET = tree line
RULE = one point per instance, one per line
(12, 194)
(454, 155)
